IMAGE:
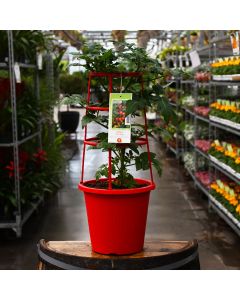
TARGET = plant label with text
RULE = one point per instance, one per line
(119, 125)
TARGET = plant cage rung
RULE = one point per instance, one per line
(93, 141)
(97, 108)
(115, 75)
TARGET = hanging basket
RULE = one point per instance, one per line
(117, 217)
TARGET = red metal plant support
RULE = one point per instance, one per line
(92, 141)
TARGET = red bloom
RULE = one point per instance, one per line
(23, 157)
(11, 169)
(40, 156)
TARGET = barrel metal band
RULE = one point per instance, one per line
(65, 266)
(55, 262)
(179, 263)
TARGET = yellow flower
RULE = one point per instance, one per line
(238, 209)
(237, 161)
(230, 154)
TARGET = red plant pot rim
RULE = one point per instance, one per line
(150, 186)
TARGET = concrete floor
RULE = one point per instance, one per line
(177, 212)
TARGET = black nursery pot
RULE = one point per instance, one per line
(68, 121)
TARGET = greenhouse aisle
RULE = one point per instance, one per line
(177, 212)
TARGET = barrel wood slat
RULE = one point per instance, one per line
(78, 255)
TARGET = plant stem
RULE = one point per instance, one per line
(122, 165)
(101, 124)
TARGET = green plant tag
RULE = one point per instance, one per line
(119, 125)
(229, 148)
(220, 184)
(224, 145)
(231, 192)
(227, 188)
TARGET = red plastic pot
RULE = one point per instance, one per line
(117, 218)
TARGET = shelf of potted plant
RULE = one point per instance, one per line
(224, 195)
(198, 89)
(226, 113)
(226, 69)
(226, 157)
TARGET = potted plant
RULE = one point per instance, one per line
(193, 36)
(71, 84)
(68, 120)
(117, 216)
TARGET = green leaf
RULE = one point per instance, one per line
(88, 119)
(132, 107)
(156, 163)
(134, 148)
(102, 171)
(13, 200)
(142, 162)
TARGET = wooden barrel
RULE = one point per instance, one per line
(158, 255)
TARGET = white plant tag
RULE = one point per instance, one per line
(194, 59)
(40, 61)
(17, 73)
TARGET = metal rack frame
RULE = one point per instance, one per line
(20, 216)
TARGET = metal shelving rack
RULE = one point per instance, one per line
(178, 150)
(20, 216)
(213, 126)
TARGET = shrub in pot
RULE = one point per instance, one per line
(71, 84)
(68, 120)
(193, 36)
(117, 215)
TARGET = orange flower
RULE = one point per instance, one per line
(219, 148)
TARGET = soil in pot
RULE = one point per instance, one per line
(104, 185)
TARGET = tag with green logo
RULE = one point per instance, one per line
(119, 125)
